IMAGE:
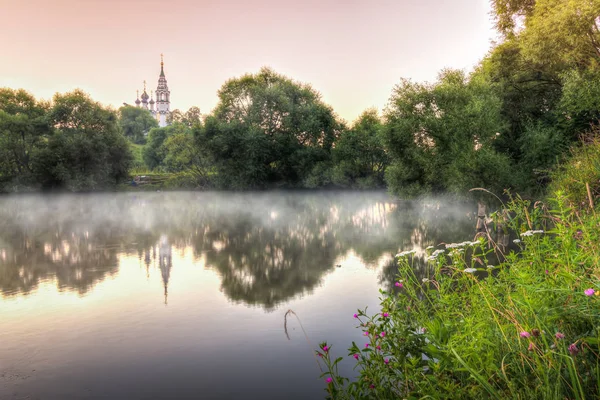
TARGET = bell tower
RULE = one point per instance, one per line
(163, 95)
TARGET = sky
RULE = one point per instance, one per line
(353, 52)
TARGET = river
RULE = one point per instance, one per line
(184, 294)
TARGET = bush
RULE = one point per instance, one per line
(583, 168)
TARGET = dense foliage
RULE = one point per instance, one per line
(506, 125)
(72, 143)
(528, 328)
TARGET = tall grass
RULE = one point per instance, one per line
(528, 328)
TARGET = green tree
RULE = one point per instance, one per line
(440, 136)
(529, 92)
(23, 127)
(87, 150)
(174, 116)
(192, 117)
(509, 14)
(268, 129)
(563, 33)
(359, 155)
(136, 122)
(182, 155)
(155, 151)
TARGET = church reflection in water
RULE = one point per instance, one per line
(265, 247)
(164, 261)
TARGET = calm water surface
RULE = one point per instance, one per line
(183, 295)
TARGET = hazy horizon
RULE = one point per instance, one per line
(352, 52)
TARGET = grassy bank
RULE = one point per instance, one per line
(528, 328)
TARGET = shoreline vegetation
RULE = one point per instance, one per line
(527, 328)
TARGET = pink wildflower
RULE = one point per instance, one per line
(328, 380)
(355, 315)
(355, 356)
(531, 346)
(525, 334)
(385, 315)
(573, 349)
(589, 292)
(399, 284)
(559, 335)
(325, 348)
(378, 347)
(366, 345)
(382, 334)
(386, 361)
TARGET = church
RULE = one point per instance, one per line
(159, 108)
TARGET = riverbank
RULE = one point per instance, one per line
(529, 329)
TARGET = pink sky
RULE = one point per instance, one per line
(352, 51)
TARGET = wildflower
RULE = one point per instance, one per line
(386, 361)
(517, 241)
(589, 292)
(385, 315)
(405, 253)
(366, 345)
(470, 270)
(355, 315)
(355, 356)
(378, 347)
(328, 380)
(325, 349)
(372, 386)
(531, 346)
(490, 267)
(399, 284)
(535, 332)
(382, 334)
(424, 280)
(320, 355)
(528, 233)
(429, 248)
(573, 349)
(546, 272)
(366, 333)
(525, 334)
(559, 335)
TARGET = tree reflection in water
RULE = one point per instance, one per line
(267, 247)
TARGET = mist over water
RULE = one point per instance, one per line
(164, 295)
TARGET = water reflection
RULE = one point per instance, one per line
(266, 247)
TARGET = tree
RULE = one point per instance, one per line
(529, 92)
(509, 14)
(87, 150)
(155, 151)
(563, 33)
(136, 122)
(283, 131)
(440, 136)
(23, 127)
(359, 155)
(192, 117)
(174, 116)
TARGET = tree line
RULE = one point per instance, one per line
(504, 125)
